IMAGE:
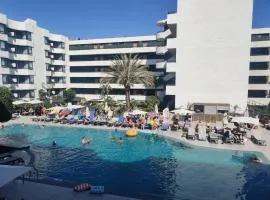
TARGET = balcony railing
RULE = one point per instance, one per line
(161, 50)
(164, 34)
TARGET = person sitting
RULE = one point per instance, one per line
(120, 141)
(85, 141)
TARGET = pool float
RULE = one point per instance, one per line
(131, 133)
(82, 187)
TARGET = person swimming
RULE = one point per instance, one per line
(54, 143)
(22, 125)
(254, 158)
(86, 141)
(120, 141)
(113, 139)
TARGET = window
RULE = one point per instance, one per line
(258, 66)
(46, 41)
(258, 79)
(110, 57)
(257, 93)
(4, 62)
(2, 45)
(84, 80)
(2, 28)
(259, 51)
(260, 37)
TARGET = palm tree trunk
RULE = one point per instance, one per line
(127, 89)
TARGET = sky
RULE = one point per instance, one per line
(105, 18)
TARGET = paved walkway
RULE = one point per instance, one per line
(36, 191)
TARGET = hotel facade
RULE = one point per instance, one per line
(206, 53)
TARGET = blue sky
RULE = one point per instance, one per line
(105, 18)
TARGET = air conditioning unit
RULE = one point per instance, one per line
(52, 56)
(52, 68)
(51, 44)
(15, 95)
(53, 92)
(52, 80)
(14, 65)
(12, 34)
(14, 80)
(12, 49)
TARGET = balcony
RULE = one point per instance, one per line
(12, 71)
(162, 22)
(58, 62)
(259, 72)
(265, 58)
(21, 86)
(58, 50)
(258, 101)
(164, 34)
(3, 37)
(161, 50)
(22, 57)
(259, 86)
(161, 65)
(55, 74)
(171, 90)
(19, 42)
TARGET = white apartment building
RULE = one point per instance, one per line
(89, 59)
(204, 55)
(31, 58)
(259, 82)
(212, 48)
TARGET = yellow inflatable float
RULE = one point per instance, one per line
(131, 133)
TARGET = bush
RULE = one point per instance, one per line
(69, 95)
(6, 106)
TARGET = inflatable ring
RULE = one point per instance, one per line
(82, 187)
(131, 133)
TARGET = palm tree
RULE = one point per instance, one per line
(128, 70)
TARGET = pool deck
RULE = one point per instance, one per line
(36, 191)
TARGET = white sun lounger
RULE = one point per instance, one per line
(191, 133)
(202, 133)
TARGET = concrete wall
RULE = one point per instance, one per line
(213, 46)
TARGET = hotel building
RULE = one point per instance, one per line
(206, 53)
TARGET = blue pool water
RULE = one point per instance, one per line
(146, 167)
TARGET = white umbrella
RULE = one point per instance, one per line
(166, 113)
(20, 102)
(35, 101)
(246, 120)
(182, 111)
(138, 112)
(156, 108)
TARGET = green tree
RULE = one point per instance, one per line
(69, 95)
(6, 106)
(128, 70)
(42, 94)
(150, 103)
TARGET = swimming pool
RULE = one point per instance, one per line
(146, 167)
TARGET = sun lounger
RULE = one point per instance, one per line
(10, 160)
(202, 133)
(257, 139)
(213, 137)
(35, 119)
(120, 121)
(191, 133)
